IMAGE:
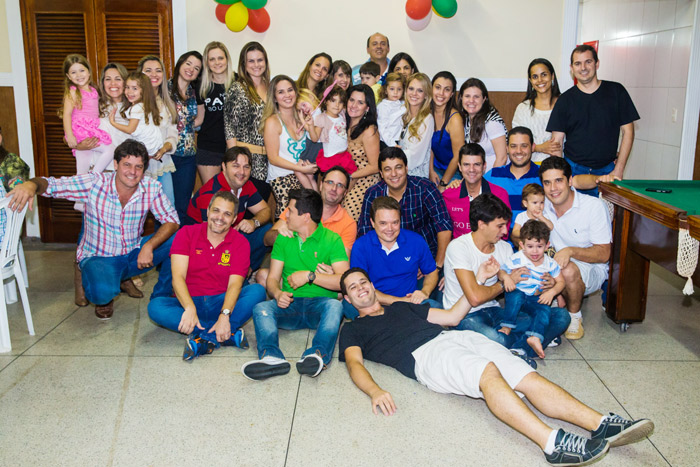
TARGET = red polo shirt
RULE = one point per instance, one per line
(209, 268)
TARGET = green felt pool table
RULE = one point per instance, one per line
(645, 228)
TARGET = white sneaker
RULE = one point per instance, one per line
(575, 330)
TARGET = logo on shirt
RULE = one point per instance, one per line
(197, 251)
(225, 258)
(407, 258)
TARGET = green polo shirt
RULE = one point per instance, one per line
(323, 246)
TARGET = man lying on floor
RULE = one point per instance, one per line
(411, 339)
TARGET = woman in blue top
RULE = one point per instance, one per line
(448, 137)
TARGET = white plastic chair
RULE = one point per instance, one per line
(10, 268)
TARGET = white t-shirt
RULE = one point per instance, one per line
(463, 254)
(492, 130)
(537, 123)
(146, 133)
(585, 224)
(417, 149)
(521, 218)
(333, 134)
(389, 124)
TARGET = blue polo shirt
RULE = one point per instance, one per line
(395, 273)
(503, 177)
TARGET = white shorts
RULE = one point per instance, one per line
(593, 275)
(453, 362)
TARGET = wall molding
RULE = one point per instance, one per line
(7, 80)
(569, 40)
(179, 11)
(692, 105)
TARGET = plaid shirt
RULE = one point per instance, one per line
(109, 229)
(422, 209)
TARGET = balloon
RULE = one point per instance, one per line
(221, 12)
(237, 17)
(435, 12)
(419, 25)
(226, 2)
(417, 9)
(254, 4)
(445, 8)
(258, 20)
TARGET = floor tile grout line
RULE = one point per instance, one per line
(125, 386)
(294, 412)
(616, 398)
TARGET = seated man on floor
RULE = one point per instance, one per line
(235, 178)
(393, 257)
(112, 250)
(489, 217)
(411, 339)
(209, 265)
(310, 264)
(582, 237)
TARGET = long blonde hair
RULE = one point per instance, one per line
(162, 92)
(424, 111)
(207, 81)
(243, 76)
(77, 99)
(271, 107)
(148, 98)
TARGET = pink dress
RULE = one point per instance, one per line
(85, 121)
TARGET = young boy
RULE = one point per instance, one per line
(527, 295)
(533, 202)
(370, 74)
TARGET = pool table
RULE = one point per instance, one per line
(645, 228)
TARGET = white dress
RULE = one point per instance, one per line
(537, 123)
(417, 149)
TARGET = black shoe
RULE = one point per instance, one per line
(311, 365)
(620, 431)
(571, 449)
(520, 353)
(265, 368)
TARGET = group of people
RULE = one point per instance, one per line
(318, 204)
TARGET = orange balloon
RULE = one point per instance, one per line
(418, 9)
(221, 12)
(258, 20)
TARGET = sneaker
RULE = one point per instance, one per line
(311, 365)
(556, 342)
(575, 330)
(265, 368)
(238, 339)
(520, 353)
(571, 449)
(196, 346)
(620, 431)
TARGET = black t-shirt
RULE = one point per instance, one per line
(592, 122)
(392, 337)
(211, 135)
(264, 190)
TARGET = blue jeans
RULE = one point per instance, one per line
(102, 275)
(518, 301)
(320, 313)
(183, 183)
(487, 322)
(167, 311)
(166, 181)
(350, 312)
(578, 169)
(257, 249)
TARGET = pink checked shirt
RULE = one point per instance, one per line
(109, 229)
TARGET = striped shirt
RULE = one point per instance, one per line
(109, 229)
(533, 282)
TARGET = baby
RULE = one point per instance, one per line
(390, 110)
(533, 202)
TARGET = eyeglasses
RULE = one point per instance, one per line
(331, 184)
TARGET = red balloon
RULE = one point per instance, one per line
(418, 9)
(221, 12)
(258, 20)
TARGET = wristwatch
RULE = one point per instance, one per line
(443, 183)
(256, 223)
(312, 277)
(226, 312)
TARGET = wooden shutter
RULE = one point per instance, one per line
(101, 30)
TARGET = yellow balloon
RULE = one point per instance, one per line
(435, 11)
(237, 17)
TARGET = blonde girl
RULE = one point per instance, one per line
(391, 109)
(418, 124)
(81, 116)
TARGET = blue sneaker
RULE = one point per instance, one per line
(620, 431)
(238, 339)
(196, 346)
(571, 449)
(520, 353)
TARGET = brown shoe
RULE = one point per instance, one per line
(105, 312)
(80, 299)
(130, 289)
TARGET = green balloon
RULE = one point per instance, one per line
(445, 8)
(227, 2)
(254, 4)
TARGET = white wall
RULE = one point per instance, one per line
(645, 45)
(491, 39)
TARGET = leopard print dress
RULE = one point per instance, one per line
(355, 197)
(242, 119)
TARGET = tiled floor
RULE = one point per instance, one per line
(90, 393)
